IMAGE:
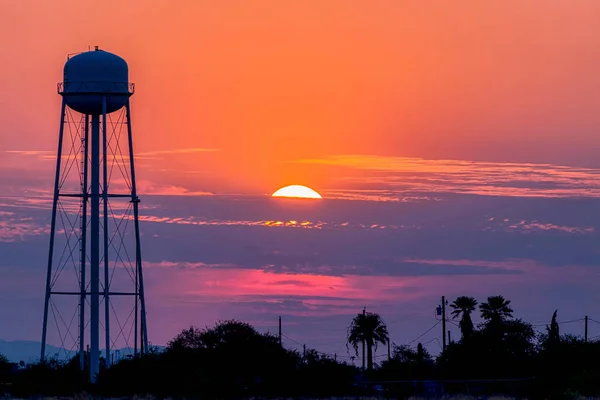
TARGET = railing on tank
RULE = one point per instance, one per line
(95, 87)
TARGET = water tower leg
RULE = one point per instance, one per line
(105, 240)
(95, 251)
(136, 313)
(138, 249)
(84, 199)
(52, 231)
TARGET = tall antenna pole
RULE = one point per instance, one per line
(82, 288)
(443, 323)
(52, 230)
(586, 328)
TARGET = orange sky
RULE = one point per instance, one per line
(268, 82)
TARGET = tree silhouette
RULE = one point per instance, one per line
(518, 337)
(371, 328)
(190, 338)
(406, 363)
(421, 352)
(463, 306)
(553, 331)
(495, 311)
(406, 354)
(229, 357)
(5, 370)
(223, 334)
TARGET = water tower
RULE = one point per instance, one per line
(94, 226)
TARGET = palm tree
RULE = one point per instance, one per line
(496, 310)
(371, 328)
(463, 306)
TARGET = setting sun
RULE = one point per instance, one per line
(297, 191)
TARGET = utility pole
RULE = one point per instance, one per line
(304, 352)
(363, 338)
(389, 352)
(443, 323)
(586, 328)
(280, 342)
(449, 337)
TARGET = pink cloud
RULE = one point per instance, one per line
(236, 283)
(227, 283)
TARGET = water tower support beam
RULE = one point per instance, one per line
(105, 240)
(138, 250)
(52, 230)
(95, 251)
(84, 200)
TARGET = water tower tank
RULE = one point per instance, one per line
(90, 76)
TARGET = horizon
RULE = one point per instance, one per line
(454, 157)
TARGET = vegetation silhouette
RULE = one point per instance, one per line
(369, 328)
(500, 355)
(463, 307)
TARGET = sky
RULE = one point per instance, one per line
(454, 145)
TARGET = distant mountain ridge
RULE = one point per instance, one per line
(29, 351)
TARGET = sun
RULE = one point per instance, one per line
(297, 191)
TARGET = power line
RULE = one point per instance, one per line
(289, 338)
(424, 333)
(573, 320)
(335, 355)
(453, 323)
(561, 322)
